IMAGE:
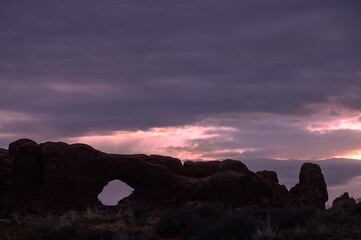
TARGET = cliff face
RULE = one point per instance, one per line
(57, 176)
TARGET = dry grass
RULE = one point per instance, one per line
(17, 227)
(207, 222)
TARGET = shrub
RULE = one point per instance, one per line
(356, 210)
(93, 235)
(174, 223)
(235, 225)
(133, 235)
(208, 211)
(49, 234)
(287, 218)
(138, 212)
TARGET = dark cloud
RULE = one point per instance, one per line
(78, 67)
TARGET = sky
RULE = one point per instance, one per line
(215, 79)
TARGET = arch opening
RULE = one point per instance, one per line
(113, 192)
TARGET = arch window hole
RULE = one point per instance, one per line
(113, 192)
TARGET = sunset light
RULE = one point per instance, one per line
(352, 155)
(351, 123)
(152, 141)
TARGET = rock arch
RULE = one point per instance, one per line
(58, 176)
(75, 174)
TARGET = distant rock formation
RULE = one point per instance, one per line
(57, 176)
(343, 200)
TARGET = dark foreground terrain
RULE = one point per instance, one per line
(200, 221)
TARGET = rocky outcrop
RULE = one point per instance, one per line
(234, 189)
(5, 178)
(5, 167)
(269, 177)
(174, 165)
(200, 169)
(231, 183)
(205, 169)
(58, 176)
(311, 189)
(343, 200)
(233, 165)
(279, 192)
(27, 167)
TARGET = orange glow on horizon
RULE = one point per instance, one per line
(352, 155)
(182, 142)
(350, 123)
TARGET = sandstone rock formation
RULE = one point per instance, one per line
(200, 169)
(343, 200)
(57, 176)
(311, 189)
(5, 178)
(26, 168)
(279, 192)
(5, 167)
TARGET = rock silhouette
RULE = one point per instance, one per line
(5, 177)
(58, 176)
(311, 189)
(343, 200)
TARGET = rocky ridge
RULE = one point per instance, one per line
(56, 176)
